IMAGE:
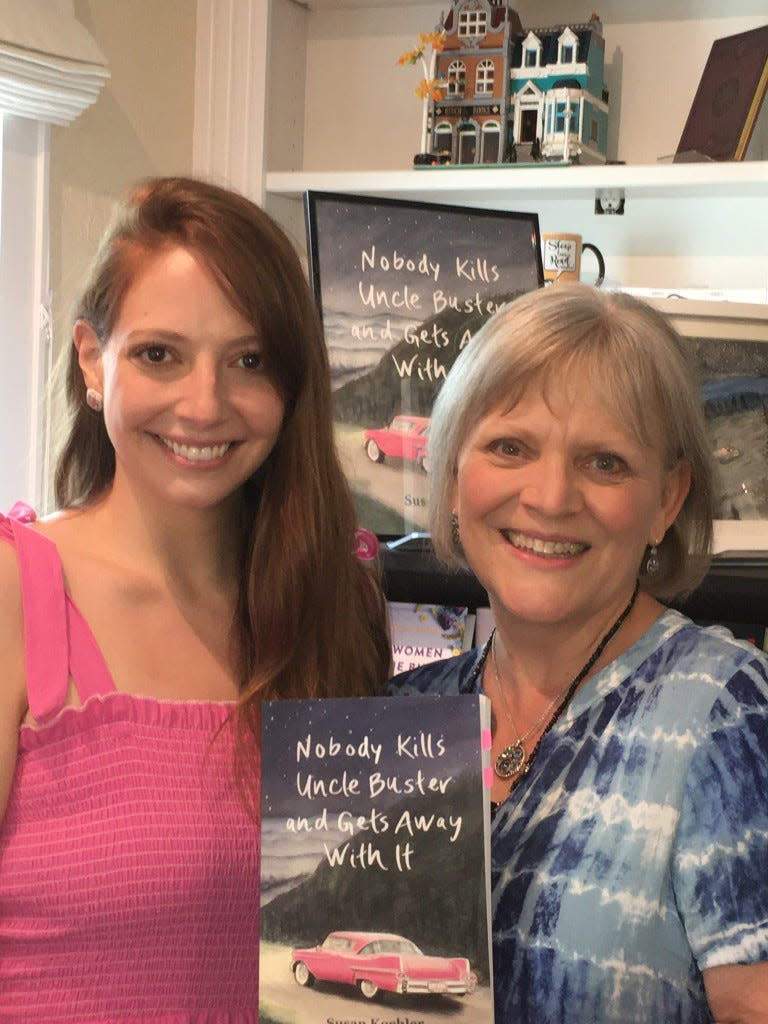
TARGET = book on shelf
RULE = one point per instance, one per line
(727, 104)
(375, 824)
(427, 632)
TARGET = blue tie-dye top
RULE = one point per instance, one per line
(635, 853)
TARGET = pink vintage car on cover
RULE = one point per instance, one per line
(378, 962)
(406, 437)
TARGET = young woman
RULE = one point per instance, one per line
(202, 560)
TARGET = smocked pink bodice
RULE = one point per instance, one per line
(129, 868)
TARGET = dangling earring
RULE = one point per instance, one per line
(652, 563)
(455, 535)
(94, 400)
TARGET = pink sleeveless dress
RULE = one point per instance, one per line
(129, 868)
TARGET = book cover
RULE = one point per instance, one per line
(375, 849)
(427, 632)
(727, 103)
(402, 286)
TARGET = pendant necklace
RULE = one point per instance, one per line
(511, 762)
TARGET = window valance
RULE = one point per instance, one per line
(50, 66)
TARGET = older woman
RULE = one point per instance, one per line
(571, 472)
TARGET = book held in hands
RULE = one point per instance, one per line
(375, 851)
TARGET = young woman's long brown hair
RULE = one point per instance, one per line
(311, 616)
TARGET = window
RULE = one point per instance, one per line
(457, 76)
(564, 114)
(36, 94)
(370, 949)
(471, 24)
(594, 131)
(25, 343)
(531, 51)
(491, 137)
(484, 76)
(444, 139)
(338, 943)
(567, 47)
(467, 144)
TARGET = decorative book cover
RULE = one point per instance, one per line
(427, 632)
(727, 103)
(375, 891)
(402, 286)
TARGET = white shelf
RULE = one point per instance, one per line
(342, 118)
(699, 226)
(508, 185)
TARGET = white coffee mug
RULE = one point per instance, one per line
(562, 257)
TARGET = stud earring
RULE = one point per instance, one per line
(94, 400)
(653, 563)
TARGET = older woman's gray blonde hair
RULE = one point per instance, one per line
(634, 361)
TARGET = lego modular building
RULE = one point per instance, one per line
(511, 94)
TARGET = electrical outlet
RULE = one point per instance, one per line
(609, 201)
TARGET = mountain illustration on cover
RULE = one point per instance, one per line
(402, 288)
(375, 889)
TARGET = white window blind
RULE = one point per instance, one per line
(51, 70)
(50, 66)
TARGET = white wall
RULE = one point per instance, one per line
(141, 125)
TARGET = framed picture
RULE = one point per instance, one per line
(402, 286)
(729, 341)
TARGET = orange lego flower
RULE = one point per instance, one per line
(434, 39)
(430, 88)
(410, 57)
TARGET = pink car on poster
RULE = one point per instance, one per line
(376, 962)
(406, 437)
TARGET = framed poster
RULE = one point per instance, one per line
(402, 286)
(729, 341)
